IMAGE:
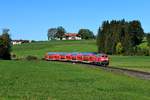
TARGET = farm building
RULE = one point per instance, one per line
(18, 42)
(72, 36)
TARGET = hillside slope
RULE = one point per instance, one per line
(40, 48)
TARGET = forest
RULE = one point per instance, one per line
(122, 38)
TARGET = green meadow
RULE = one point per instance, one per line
(44, 80)
(141, 63)
(39, 49)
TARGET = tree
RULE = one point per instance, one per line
(2, 49)
(148, 39)
(5, 30)
(60, 32)
(119, 48)
(86, 34)
(52, 33)
(5, 46)
(100, 38)
(136, 32)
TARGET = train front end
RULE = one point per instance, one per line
(102, 59)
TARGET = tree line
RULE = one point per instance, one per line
(148, 38)
(59, 32)
(5, 45)
(121, 37)
(114, 37)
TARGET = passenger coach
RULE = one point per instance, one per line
(84, 57)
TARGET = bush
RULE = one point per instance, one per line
(13, 56)
(142, 52)
(6, 56)
(29, 58)
(148, 39)
(43, 59)
(119, 48)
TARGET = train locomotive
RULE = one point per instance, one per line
(81, 57)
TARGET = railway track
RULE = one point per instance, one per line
(129, 72)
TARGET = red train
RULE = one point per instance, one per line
(84, 57)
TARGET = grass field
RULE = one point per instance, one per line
(41, 80)
(131, 62)
(39, 49)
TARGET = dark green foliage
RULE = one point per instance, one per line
(129, 34)
(5, 46)
(86, 34)
(142, 51)
(60, 32)
(30, 58)
(148, 39)
(51, 33)
(56, 33)
(136, 32)
(119, 48)
(13, 56)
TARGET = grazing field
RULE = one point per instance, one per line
(41, 80)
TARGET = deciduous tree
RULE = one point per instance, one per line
(51, 33)
(60, 32)
(86, 34)
(5, 46)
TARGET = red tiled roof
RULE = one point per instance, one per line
(71, 34)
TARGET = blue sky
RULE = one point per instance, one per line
(30, 19)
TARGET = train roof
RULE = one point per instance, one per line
(73, 53)
(77, 53)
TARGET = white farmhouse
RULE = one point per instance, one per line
(71, 36)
